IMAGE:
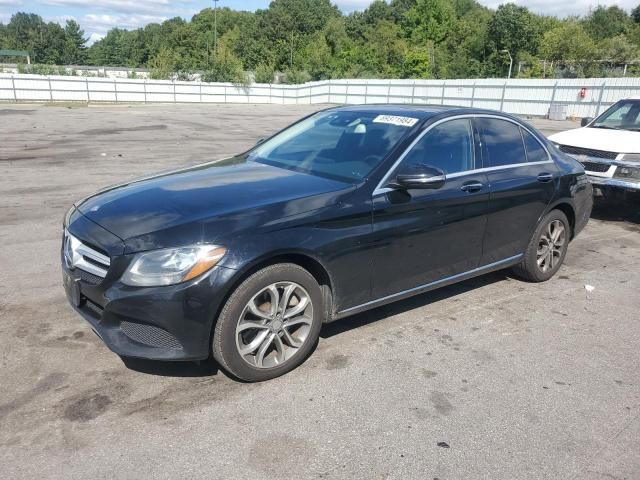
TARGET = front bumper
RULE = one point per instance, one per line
(600, 181)
(158, 323)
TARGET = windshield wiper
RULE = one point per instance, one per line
(606, 127)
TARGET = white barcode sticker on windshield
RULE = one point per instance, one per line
(396, 120)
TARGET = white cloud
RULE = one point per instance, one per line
(137, 7)
(351, 5)
(562, 9)
(101, 23)
(545, 7)
(94, 37)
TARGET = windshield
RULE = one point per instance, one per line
(624, 115)
(341, 145)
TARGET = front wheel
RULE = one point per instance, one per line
(270, 323)
(547, 249)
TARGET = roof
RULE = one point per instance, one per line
(420, 111)
(14, 53)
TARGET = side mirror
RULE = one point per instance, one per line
(586, 121)
(419, 177)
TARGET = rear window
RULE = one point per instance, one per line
(503, 142)
(535, 151)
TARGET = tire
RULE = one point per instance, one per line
(255, 341)
(538, 264)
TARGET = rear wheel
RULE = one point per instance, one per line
(270, 323)
(547, 249)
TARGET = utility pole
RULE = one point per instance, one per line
(510, 61)
(215, 29)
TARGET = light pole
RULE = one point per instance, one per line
(510, 61)
(215, 29)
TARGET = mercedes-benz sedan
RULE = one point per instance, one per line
(346, 210)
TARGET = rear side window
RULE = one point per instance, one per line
(535, 151)
(448, 146)
(503, 141)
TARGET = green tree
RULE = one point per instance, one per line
(429, 20)
(569, 45)
(164, 64)
(607, 22)
(75, 50)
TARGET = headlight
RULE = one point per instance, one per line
(631, 157)
(67, 216)
(172, 265)
(627, 173)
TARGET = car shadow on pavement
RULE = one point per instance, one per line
(202, 368)
(402, 306)
(209, 367)
(617, 212)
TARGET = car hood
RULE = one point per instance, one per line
(216, 199)
(620, 141)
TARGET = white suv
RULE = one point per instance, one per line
(609, 149)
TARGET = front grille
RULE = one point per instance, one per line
(150, 335)
(595, 167)
(78, 255)
(88, 277)
(588, 152)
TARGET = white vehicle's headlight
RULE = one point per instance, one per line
(631, 157)
(172, 265)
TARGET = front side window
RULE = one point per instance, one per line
(341, 145)
(447, 146)
(624, 115)
(503, 142)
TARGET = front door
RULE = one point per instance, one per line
(426, 235)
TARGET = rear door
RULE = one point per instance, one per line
(522, 181)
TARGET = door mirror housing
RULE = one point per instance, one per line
(419, 177)
(585, 121)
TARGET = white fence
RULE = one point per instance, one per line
(583, 97)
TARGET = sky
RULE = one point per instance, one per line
(96, 17)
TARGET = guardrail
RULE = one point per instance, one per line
(583, 97)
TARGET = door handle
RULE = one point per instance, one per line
(545, 177)
(471, 186)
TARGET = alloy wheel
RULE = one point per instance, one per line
(551, 245)
(274, 324)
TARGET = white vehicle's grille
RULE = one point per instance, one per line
(81, 256)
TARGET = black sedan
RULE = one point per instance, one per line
(346, 210)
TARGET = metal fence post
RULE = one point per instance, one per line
(50, 91)
(388, 90)
(329, 82)
(553, 95)
(366, 90)
(174, 91)
(504, 91)
(144, 89)
(602, 87)
(413, 93)
(115, 88)
(200, 91)
(473, 93)
(13, 86)
(444, 86)
(86, 84)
